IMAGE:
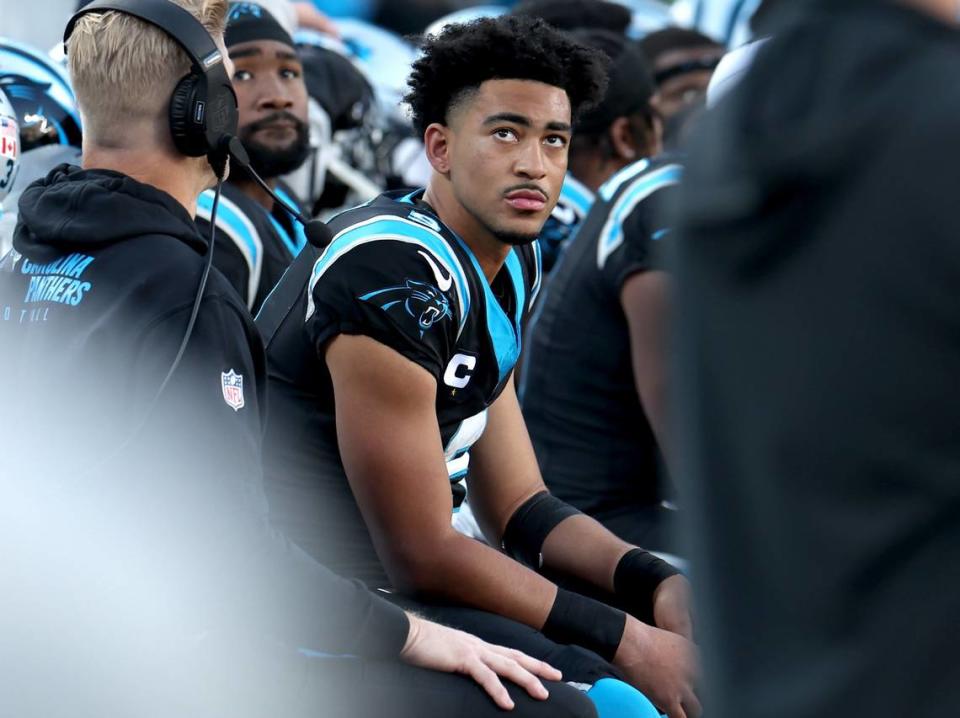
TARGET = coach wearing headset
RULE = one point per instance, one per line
(141, 570)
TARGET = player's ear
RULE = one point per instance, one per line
(622, 140)
(436, 141)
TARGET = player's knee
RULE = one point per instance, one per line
(616, 699)
(568, 702)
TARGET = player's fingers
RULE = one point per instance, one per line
(534, 665)
(675, 711)
(691, 705)
(488, 680)
(685, 628)
(510, 669)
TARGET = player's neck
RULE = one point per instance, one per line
(592, 170)
(490, 252)
(178, 176)
(253, 190)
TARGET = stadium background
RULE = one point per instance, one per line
(40, 22)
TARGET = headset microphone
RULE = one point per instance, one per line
(317, 233)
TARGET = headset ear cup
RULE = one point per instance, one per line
(188, 134)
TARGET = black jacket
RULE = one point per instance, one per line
(818, 275)
(94, 302)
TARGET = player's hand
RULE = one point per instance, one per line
(671, 606)
(312, 19)
(430, 645)
(662, 665)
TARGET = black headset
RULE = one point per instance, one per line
(203, 108)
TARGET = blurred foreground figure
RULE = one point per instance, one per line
(819, 351)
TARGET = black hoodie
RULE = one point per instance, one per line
(94, 301)
(819, 297)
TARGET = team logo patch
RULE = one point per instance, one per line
(232, 384)
(422, 301)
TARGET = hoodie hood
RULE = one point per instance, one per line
(72, 208)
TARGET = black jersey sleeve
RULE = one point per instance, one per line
(635, 244)
(407, 294)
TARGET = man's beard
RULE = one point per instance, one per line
(513, 237)
(270, 162)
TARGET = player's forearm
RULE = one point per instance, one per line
(581, 548)
(465, 571)
(547, 533)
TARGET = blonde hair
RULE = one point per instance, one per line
(124, 70)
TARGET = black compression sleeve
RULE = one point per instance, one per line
(530, 525)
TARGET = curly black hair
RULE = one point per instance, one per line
(459, 59)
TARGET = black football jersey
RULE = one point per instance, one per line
(254, 247)
(395, 273)
(594, 444)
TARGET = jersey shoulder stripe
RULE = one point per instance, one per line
(609, 188)
(537, 274)
(577, 195)
(611, 235)
(504, 331)
(232, 222)
(391, 227)
(295, 244)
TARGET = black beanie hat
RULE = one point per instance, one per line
(249, 22)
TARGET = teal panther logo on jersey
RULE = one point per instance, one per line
(421, 300)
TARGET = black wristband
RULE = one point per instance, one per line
(584, 622)
(636, 579)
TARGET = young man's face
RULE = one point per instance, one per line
(272, 98)
(508, 155)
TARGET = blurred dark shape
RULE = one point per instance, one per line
(337, 84)
(765, 14)
(412, 16)
(674, 38)
(678, 127)
(630, 85)
(577, 14)
(683, 62)
(819, 406)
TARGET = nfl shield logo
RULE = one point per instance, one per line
(232, 389)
